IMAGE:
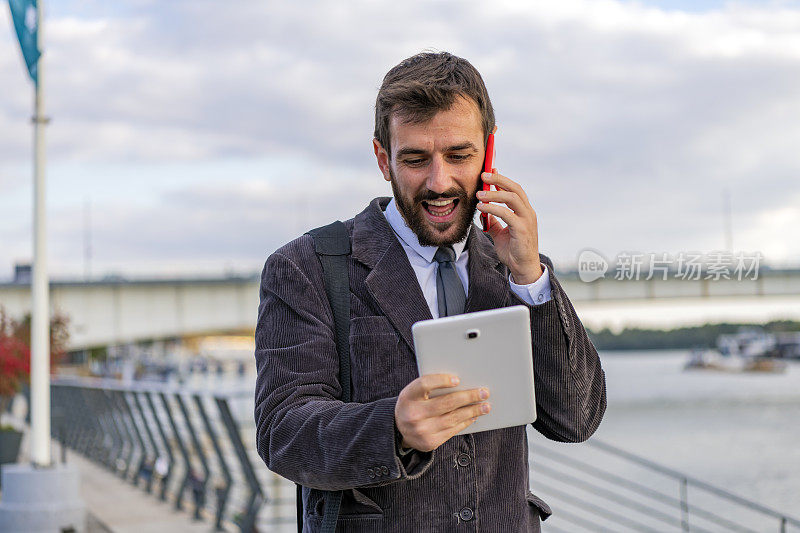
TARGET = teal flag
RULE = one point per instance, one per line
(26, 23)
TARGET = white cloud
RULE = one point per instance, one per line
(623, 121)
(209, 225)
(774, 232)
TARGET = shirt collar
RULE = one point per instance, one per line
(407, 235)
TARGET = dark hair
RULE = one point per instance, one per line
(425, 84)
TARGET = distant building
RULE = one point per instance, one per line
(22, 273)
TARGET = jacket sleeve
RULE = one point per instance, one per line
(569, 380)
(303, 432)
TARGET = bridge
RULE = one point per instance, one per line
(121, 311)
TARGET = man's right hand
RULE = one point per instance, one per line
(426, 423)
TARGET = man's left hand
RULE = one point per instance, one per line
(517, 244)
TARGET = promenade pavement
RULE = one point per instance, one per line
(114, 505)
(120, 507)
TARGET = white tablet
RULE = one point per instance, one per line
(485, 349)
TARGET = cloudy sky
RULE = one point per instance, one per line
(198, 136)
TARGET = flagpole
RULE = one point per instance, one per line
(42, 495)
(40, 290)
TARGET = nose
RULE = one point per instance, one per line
(440, 178)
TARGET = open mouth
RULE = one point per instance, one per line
(440, 209)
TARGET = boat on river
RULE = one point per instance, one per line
(746, 351)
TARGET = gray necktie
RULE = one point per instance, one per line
(449, 289)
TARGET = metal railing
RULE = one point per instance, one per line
(593, 494)
(166, 439)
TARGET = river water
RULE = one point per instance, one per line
(738, 431)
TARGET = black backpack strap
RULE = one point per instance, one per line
(332, 245)
(299, 502)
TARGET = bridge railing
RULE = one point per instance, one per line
(175, 443)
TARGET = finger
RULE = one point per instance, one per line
(444, 436)
(421, 387)
(511, 199)
(502, 182)
(455, 400)
(500, 211)
(453, 419)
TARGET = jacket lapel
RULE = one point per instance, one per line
(392, 281)
(488, 286)
(394, 285)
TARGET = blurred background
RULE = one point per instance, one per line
(190, 139)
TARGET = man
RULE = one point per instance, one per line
(393, 450)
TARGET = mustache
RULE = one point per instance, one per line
(427, 195)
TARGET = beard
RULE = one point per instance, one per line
(432, 233)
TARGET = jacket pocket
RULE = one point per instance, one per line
(357, 511)
(539, 505)
(355, 505)
(377, 369)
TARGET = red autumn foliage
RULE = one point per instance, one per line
(15, 358)
(15, 365)
(15, 352)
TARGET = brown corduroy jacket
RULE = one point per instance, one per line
(476, 482)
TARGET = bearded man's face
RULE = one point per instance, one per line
(435, 170)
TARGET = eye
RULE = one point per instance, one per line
(414, 162)
(460, 157)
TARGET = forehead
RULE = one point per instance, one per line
(460, 123)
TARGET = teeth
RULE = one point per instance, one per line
(439, 203)
(443, 213)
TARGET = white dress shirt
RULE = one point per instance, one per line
(421, 259)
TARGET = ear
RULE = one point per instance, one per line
(383, 159)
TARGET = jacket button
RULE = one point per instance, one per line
(384, 471)
(466, 514)
(371, 473)
(464, 459)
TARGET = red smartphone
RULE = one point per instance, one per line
(487, 167)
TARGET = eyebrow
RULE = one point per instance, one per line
(463, 146)
(455, 148)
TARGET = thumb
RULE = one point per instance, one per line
(494, 226)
